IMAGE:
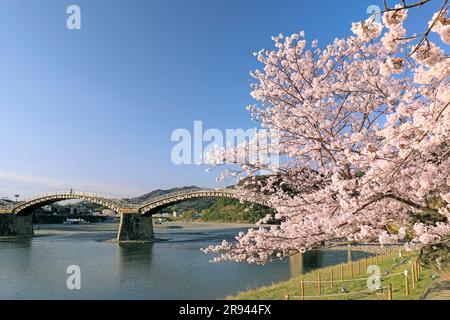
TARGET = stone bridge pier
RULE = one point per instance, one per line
(134, 226)
(12, 225)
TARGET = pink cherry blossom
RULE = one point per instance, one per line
(364, 126)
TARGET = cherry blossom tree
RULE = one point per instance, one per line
(364, 128)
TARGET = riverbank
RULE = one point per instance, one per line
(374, 248)
(354, 285)
(205, 225)
(41, 230)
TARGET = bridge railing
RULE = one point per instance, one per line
(179, 193)
(80, 194)
(117, 201)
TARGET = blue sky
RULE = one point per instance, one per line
(94, 109)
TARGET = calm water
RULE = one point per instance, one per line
(171, 269)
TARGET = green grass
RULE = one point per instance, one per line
(387, 264)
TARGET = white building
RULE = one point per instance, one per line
(109, 213)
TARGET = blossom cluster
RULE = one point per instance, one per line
(364, 128)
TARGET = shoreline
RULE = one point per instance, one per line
(44, 230)
(41, 230)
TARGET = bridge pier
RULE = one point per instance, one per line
(12, 225)
(135, 227)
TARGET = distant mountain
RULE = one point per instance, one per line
(5, 203)
(211, 209)
(157, 193)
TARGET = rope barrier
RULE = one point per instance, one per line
(352, 280)
(339, 294)
(387, 289)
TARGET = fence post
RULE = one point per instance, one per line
(342, 273)
(359, 266)
(406, 283)
(416, 276)
(390, 291)
(413, 276)
(302, 289)
(319, 286)
(351, 270)
(418, 270)
(331, 278)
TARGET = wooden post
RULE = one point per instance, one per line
(413, 265)
(359, 266)
(418, 270)
(319, 285)
(286, 297)
(302, 289)
(413, 276)
(351, 270)
(365, 264)
(331, 278)
(390, 291)
(416, 276)
(406, 283)
(342, 273)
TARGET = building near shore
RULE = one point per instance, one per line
(109, 213)
(176, 214)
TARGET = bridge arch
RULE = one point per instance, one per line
(26, 207)
(154, 204)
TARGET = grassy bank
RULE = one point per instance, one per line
(352, 287)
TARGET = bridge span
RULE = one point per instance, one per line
(135, 218)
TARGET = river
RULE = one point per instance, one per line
(171, 268)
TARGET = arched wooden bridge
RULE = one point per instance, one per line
(135, 225)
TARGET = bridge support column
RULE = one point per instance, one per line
(12, 225)
(135, 227)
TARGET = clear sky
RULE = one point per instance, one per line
(94, 109)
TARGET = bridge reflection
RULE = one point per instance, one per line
(300, 264)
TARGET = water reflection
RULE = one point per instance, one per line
(296, 265)
(134, 258)
(303, 263)
(20, 253)
(172, 269)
